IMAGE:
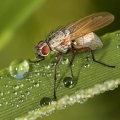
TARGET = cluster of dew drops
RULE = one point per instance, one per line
(19, 69)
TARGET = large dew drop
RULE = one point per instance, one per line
(19, 68)
(69, 82)
(45, 101)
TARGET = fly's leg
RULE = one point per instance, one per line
(40, 59)
(71, 63)
(37, 61)
(93, 57)
(55, 77)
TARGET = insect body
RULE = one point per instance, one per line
(75, 37)
(90, 40)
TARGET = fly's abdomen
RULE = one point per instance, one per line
(90, 40)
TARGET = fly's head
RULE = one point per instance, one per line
(42, 49)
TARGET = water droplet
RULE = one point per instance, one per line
(87, 59)
(52, 65)
(22, 96)
(47, 67)
(6, 103)
(7, 92)
(45, 101)
(3, 98)
(65, 61)
(16, 87)
(16, 106)
(19, 68)
(11, 104)
(6, 85)
(58, 75)
(87, 65)
(81, 101)
(21, 100)
(15, 93)
(32, 81)
(43, 74)
(68, 82)
(118, 34)
(28, 79)
(37, 74)
(36, 85)
(0, 104)
(21, 85)
(72, 65)
(27, 93)
(1, 77)
(30, 88)
(20, 91)
(103, 89)
(1, 93)
(49, 74)
(118, 46)
(39, 81)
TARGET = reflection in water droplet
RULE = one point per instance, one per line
(19, 68)
(45, 101)
(68, 82)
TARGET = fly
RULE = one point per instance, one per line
(75, 37)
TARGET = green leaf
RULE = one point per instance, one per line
(20, 98)
(13, 15)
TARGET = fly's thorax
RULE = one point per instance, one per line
(42, 49)
(56, 39)
(90, 40)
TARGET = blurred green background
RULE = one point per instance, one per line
(23, 23)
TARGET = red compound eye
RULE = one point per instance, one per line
(45, 50)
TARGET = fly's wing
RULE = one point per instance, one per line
(88, 24)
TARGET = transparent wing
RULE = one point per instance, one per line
(89, 24)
